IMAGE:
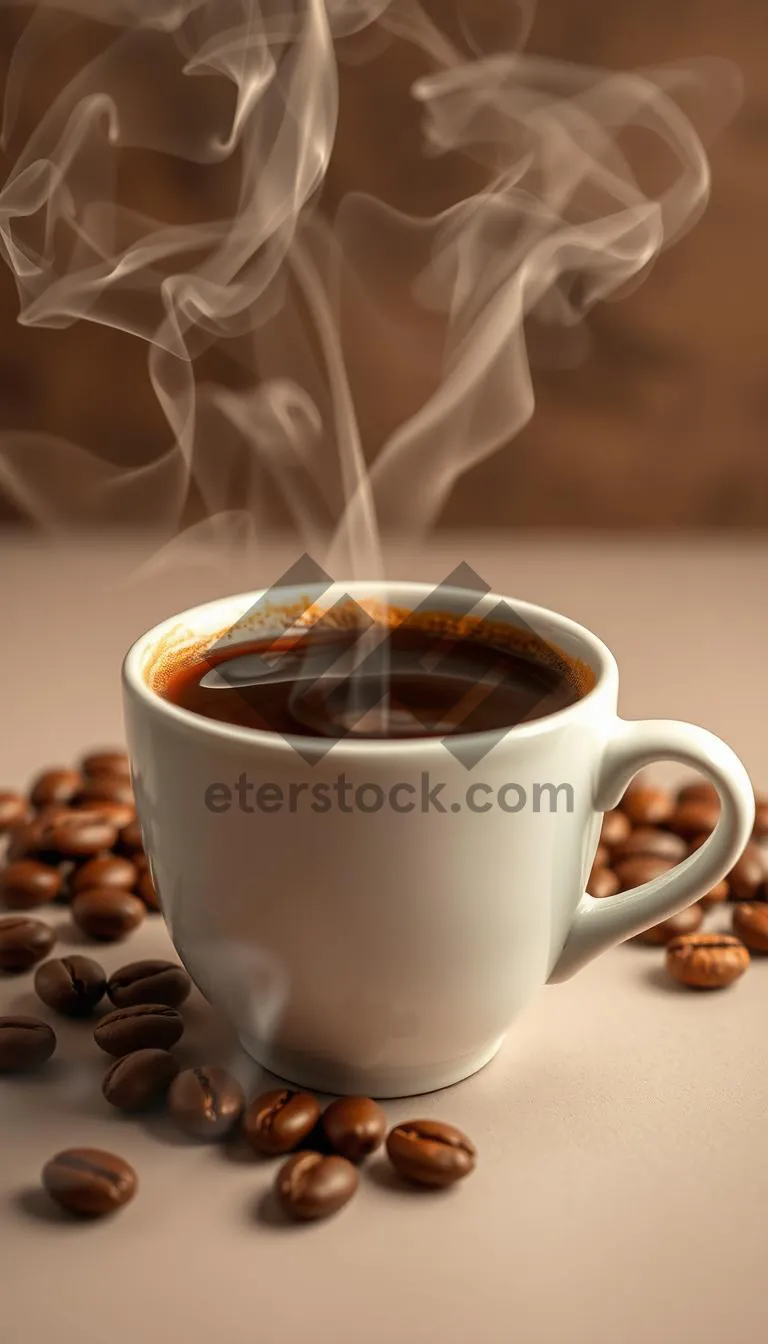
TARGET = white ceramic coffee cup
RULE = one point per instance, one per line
(388, 952)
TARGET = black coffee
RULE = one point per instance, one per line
(393, 682)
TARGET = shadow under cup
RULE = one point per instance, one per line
(362, 948)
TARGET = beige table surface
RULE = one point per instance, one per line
(622, 1191)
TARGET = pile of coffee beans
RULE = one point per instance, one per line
(653, 829)
(74, 839)
(325, 1147)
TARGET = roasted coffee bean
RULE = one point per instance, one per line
(21, 840)
(429, 1152)
(696, 817)
(615, 828)
(106, 789)
(25, 1043)
(130, 840)
(140, 861)
(149, 982)
(52, 812)
(206, 1103)
(32, 840)
(146, 889)
(750, 924)
(139, 1081)
(89, 1182)
(106, 762)
(14, 810)
(354, 1127)
(602, 882)
(646, 806)
(28, 883)
(706, 960)
(761, 818)
(311, 1186)
(642, 868)
(602, 857)
(71, 986)
(700, 791)
(276, 1122)
(107, 871)
(23, 942)
(685, 921)
(55, 786)
(78, 835)
(715, 895)
(146, 1026)
(106, 913)
(649, 840)
(747, 874)
(116, 814)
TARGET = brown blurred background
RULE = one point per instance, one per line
(663, 425)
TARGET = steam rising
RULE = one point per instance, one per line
(379, 350)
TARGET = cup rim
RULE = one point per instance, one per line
(594, 651)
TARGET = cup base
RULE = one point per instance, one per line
(327, 1076)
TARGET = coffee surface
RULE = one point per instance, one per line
(405, 682)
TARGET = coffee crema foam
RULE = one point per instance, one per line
(181, 646)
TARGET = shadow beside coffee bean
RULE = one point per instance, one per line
(75, 839)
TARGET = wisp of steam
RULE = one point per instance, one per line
(377, 350)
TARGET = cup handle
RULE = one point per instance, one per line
(598, 924)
